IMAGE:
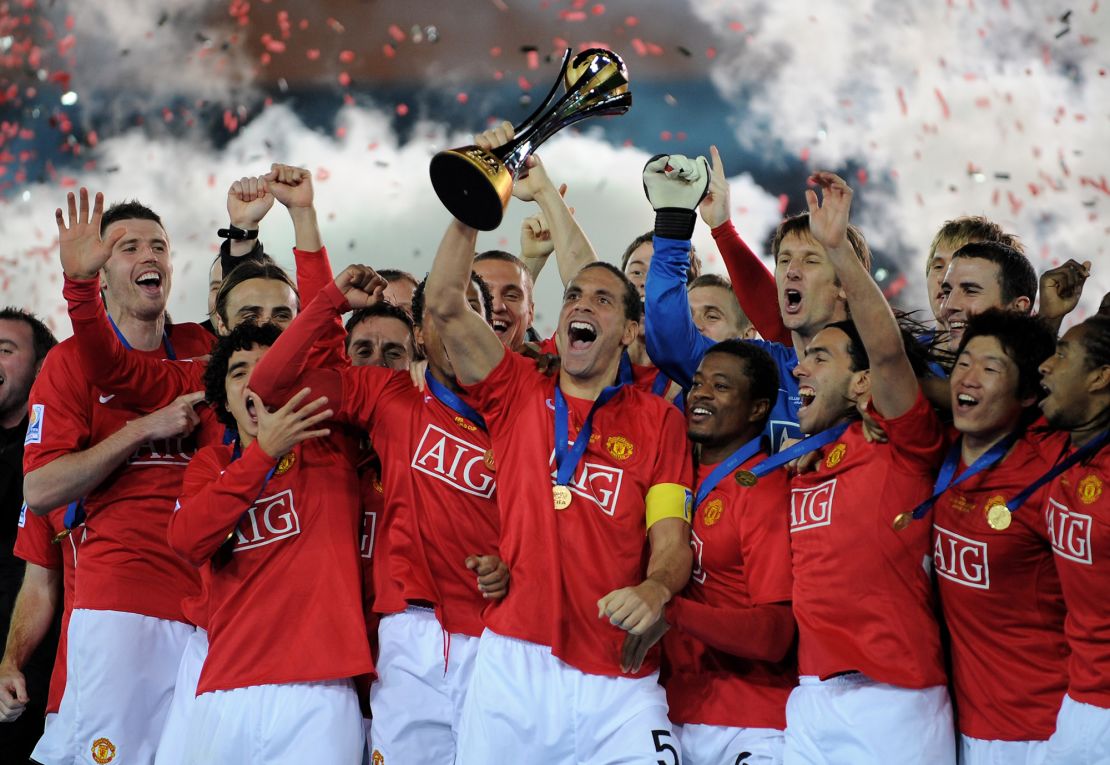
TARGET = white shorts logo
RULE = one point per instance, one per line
(369, 526)
(454, 461)
(34, 424)
(961, 560)
(810, 508)
(1069, 532)
(597, 482)
(269, 520)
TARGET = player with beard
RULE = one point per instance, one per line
(592, 480)
(275, 516)
(873, 687)
(435, 456)
(127, 630)
(999, 591)
(1077, 516)
(728, 654)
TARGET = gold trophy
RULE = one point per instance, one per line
(475, 184)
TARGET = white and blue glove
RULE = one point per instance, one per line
(675, 184)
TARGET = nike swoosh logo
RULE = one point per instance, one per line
(106, 399)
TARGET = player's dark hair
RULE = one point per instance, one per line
(129, 210)
(798, 225)
(1027, 341)
(252, 269)
(1096, 340)
(477, 281)
(633, 306)
(397, 275)
(1016, 275)
(759, 368)
(506, 257)
(692, 273)
(916, 340)
(42, 339)
(381, 309)
(244, 337)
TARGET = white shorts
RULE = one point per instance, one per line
(1082, 735)
(287, 724)
(418, 698)
(526, 706)
(977, 751)
(174, 742)
(53, 747)
(853, 719)
(720, 745)
(121, 668)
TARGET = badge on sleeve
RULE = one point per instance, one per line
(34, 425)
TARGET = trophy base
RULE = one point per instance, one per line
(473, 184)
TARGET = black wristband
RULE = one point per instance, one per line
(237, 234)
(675, 223)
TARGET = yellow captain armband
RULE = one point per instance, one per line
(668, 500)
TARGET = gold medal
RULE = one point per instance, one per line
(746, 478)
(61, 535)
(999, 517)
(902, 520)
(561, 494)
(488, 459)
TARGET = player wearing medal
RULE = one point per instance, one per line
(810, 295)
(127, 630)
(730, 667)
(547, 684)
(1077, 516)
(873, 686)
(998, 587)
(276, 513)
(441, 531)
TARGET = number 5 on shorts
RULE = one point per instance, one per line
(657, 736)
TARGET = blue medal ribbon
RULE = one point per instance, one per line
(660, 384)
(450, 399)
(730, 463)
(166, 345)
(945, 480)
(1078, 455)
(803, 447)
(567, 459)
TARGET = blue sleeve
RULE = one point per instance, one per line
(673, 341)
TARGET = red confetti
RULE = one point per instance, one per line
(92, 139)
(346, 56)
(902, 102)
(665, 135)
(396, 33)
(533, 59)
(388, 51)
(344, 79)
(861, 175)
(336, 26)
(522, 81)
(312, 54)
(711, 53)
(322, 174)
(736, 26)
(805, 154)
(340, 132)
(572, 15)
(462, 98)
(639, 47)
(784, 202)
(402, 110)
(598, 9)
(943, 104)
(631, 21)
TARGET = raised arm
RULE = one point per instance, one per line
(753, 284)
(1060, 289)
(894, 386)
(674, 184)
(572, 248)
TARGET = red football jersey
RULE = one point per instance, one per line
(741, 542)
(287, 605)
(34, 543)
(562, 562)
(437, 483)
(863, 594)
(125, 562)
(1077, 516)
(1001, 600)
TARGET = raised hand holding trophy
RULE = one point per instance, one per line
(475, 184)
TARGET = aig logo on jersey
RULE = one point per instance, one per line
(961, 560)
(1069, 532)
(601, 484)
(269, 520)
(454, 461)
(810, 508)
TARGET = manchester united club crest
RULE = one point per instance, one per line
(620, 447)
(103, 751)
(377, 484)
(465, 424)
(285, 463)
(1089, 489)
(712, 512)
(835, 456)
